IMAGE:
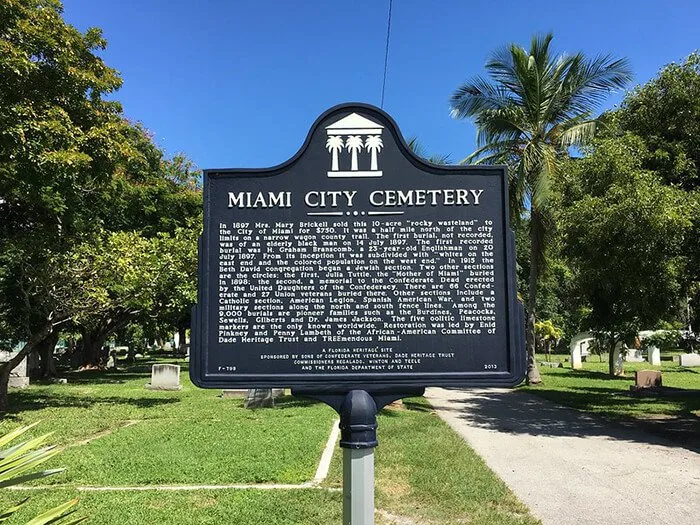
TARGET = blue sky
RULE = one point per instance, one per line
(237, 83)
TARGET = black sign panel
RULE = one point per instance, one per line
(355, 265)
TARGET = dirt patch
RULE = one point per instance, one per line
(389, 518)
(393, 482)
(98, 435)
(202, 502)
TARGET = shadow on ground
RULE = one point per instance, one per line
(522, 412)
(27, 400)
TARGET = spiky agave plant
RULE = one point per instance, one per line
(17, 465)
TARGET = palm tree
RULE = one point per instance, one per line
(374, 145)
(416, 147)
(534, 107)
(354, 144)
(334, 144)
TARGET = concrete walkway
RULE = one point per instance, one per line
(570, 468)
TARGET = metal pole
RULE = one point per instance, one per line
(358, 486)
(358, 437)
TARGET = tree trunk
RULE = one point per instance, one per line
(182, 334)
(533, 373)
(91, 346)
(611, 360)
(93, 340)
(4, 382)
(7, 367)
(46, 350)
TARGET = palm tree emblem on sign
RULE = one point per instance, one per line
(357, 134)
(374, 145)
(354, 144)
(334, 144)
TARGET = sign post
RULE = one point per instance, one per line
(357, 273)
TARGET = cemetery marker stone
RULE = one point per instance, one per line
(165, 377)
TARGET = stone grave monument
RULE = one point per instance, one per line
(654, 356)
(689, 360)
(165, 377)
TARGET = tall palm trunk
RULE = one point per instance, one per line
(533, 373)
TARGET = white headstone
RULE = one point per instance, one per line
(576, 357)
(689, 360)
(654, 356)
(579, 348)
(165, 377)
(634, 355)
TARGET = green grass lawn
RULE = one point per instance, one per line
(152, 437)
(117, 433)
(425, 473)
(593, 390)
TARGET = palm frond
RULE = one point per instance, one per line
(579, 134)
(477, 95)
(16, 465)
(500, 152)
(588, 82)
(57, 515)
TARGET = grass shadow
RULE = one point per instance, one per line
(24, 401)
(522, 412)
(288, 401)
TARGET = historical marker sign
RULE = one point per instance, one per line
(355, 265)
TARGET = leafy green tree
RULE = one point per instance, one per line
(548, 334)
(665, 113)
(625, 230)
(532, 109)
(71, 167)
(59, 144)
(124, 268)
(156, 199)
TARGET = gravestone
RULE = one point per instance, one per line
(233, 393)
(33, 365)
(647, 378)
(551, 364)
(112, 361)
(654, 356)
(18, 375)
(259, 398)
(165, 377)
(689, 360)
(576, 363)
(579, 348)
(633, 355)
